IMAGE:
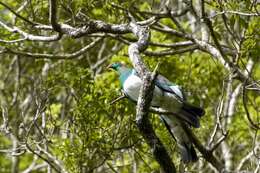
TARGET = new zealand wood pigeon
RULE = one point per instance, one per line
(168, 97)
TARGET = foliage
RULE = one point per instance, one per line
(61, 107)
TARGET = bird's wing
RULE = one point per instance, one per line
(164, 84)
(167, 86)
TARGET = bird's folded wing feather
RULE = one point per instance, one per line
(167, 86)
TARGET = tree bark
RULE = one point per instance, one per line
(145, 98)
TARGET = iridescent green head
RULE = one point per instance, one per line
(115, 66)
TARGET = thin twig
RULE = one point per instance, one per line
(251, 122)
(170, 51)
(118, 99)
(53, 56)
(219, 142)
(18, 15)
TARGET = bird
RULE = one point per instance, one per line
(169, 97)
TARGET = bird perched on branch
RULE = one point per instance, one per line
(169, 97)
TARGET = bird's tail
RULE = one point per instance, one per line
(188, 153)
(194, 110)
(191, 114)
(186, 149)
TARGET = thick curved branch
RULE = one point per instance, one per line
(145, 97)
(96, 26)
(32, 37)
(172, 45)
(27, 36)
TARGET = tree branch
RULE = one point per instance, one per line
(145, 97)
(16, 14)
(118, 99)
(53, 15)
(171, 52)
(207, 154)
(53, 56)
(237, 13)
(250, 120)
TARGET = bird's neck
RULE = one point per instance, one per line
(124, 72)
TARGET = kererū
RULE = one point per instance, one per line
(170, 98)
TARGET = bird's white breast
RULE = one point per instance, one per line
(162, 99)
(132, 86)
